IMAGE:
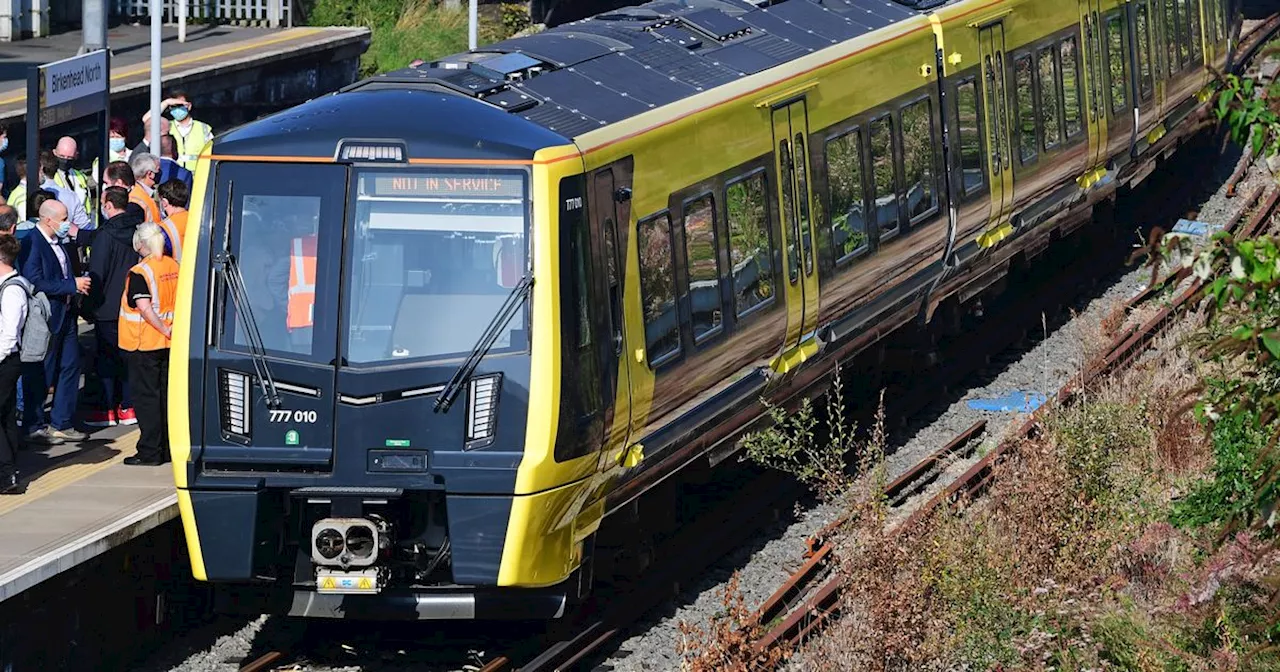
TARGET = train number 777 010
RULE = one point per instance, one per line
(294, 416)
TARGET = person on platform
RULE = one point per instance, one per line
(4, 147)
(145, 145)
(111, 256)
(120, 174)
(192, 135)
(169, 168)
(146, 324)
(117, 135)
(78, 213)
(18, 197)
(8, 220)
(28, 225)
(67, 176)
(146, 170)
(50, 264)
(13, 314)
(173, 201)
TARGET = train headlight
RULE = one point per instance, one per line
(329, 543)
(482, 408)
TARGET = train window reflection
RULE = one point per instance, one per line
(848, 207)
(750, 246)
(432, 260)
(1144, 50)
(1116, 63)
(278, 251)
(1070, 87)
(1026, 109)
(704, 266)
(1193, 15)
(970, 138)
(1048, 78)
(886, 196)
(657, 288)
(917, 159)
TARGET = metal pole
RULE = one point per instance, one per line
(182, 20)
(93, 19)
(154, 142)
(472, 20)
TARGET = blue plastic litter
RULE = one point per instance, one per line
(1021, 401)
(1194, 228)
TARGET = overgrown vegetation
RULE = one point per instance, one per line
(1136, 532)
(405, 30)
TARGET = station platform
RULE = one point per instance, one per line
(208, 49)
(80, 502)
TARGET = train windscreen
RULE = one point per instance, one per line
(432, 256)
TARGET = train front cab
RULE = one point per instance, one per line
(352, 497)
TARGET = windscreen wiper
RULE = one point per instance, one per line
(508, 310)
(229, 272)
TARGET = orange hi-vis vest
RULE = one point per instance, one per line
(179, 220)
(139, 195)
(175, 238)
(302, 283)
(161, 274)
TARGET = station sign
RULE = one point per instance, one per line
(72, 88)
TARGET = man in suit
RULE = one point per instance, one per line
(50, 265)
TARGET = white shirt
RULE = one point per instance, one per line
(59, 252)
(75, 207)
(13, 313)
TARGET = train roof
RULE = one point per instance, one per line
(587, 74)
(454, 124)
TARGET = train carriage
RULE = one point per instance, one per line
(438, 327)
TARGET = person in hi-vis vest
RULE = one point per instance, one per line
(146, 325)
(191, 135)
(302, 288)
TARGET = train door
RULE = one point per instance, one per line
(266, 324)
(610, 208)
(790, 143)
(996, 121)
(1095, 89)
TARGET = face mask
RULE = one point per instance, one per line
(117, 144)
(178, 113)
(4, 144)
(63, 164)
(64, 228)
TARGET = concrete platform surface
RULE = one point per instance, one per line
(80, 501)
(207, 48)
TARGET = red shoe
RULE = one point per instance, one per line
(100, 418)
(127, 416)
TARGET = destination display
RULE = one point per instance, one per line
(449, 185)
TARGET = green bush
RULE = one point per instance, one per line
(1239, 464)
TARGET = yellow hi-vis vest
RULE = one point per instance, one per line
(190, 145)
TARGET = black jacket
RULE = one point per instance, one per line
(111, 256)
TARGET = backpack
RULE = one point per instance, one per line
(35, 338)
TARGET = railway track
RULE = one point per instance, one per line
(810, 597)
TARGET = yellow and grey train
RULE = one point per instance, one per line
(435, 328)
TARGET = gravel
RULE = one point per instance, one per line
(762, 564)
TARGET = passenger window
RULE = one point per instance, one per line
(1048, 77)
(1171, 34)
(750, 246)
(970, 136)
(1184, 34)
(1115, 61)
(1193, 16)
(844, 179)
(704, 266)
(1144, 52)
(917, 159)
(886, 197)
(657, 289)
(1026, 109)
(786, 184)
(1070, 87)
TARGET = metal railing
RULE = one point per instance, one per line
(265, 13)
